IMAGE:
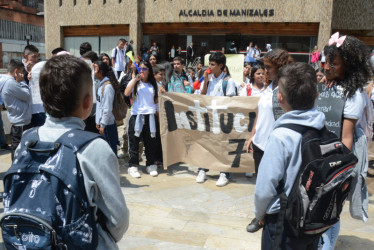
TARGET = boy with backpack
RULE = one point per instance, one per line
(282, 204)
(73, 193)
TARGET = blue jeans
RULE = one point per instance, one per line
(111, 136)
(2, 133)
(330, 237)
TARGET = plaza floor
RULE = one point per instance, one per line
(171, 211)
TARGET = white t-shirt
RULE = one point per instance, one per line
(255, 92)
(119, 59)
(265, 119)
(143, 102)
(215, 87)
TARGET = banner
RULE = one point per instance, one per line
(235, 64)
(208, 132)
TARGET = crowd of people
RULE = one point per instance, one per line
(70, 86)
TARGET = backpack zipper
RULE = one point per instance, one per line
(37, 219)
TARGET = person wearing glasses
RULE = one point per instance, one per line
(143, 122)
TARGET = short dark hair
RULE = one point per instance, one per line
(91, 55)
(30, 49)
(178, 58)
(61, 83)
(57, 50)
(157, 68)
(14, 64)
(298, 82)
(219, 58)
(320, 69)
(122, 40)
(86, 46)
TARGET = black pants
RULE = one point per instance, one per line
(152, 145)
(257, 156)
(309, 242)
(91, 125)
(38, 119)
(16, 135)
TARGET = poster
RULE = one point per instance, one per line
(208, 132)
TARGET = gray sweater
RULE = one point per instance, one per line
(101, 179)
(17, 99)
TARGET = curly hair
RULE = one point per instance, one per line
(279, 58)
(355, 56)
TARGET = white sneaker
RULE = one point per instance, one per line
(121, 155)
(249, 175)
(133, 172)
(222, 180)
(201, 176)
(152, 170)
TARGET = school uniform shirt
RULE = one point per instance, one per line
(104, 107)
(254, 91)
(265, 119)
(215, 87)
(17, 99)
(143, 102)
(119, 60)
(355, 108)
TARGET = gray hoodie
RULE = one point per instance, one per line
(101, 174)
(17, 99)
(282, 159)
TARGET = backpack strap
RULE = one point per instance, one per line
(295, 127)
(75, 139)
(102, 89)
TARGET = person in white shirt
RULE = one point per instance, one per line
(143, 121)
(118, 56)
(256, 82)
(216, 84)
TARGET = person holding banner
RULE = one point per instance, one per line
(274, 61)
(143, 121)
(216, 84)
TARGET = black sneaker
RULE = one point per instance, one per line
(5, 147)
(254, 226)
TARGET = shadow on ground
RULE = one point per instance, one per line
(348, 242)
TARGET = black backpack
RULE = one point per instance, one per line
(123, 85)
(45, 203)
(321, 186)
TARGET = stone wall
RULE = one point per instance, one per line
(135, 13)
(353, 15)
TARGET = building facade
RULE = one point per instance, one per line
(21, 22)
(212, 24)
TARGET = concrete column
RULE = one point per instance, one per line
(136, 31)
(53, 31)
(324, 31)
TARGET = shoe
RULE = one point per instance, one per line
(249, 175)
(152, 170)
(5, 147)
(222, 180)
(122, 155)
(201, 176)
(254, 226)
(133, 172)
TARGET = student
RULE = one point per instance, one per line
(3, 144)
(118, 56)
(159, 74)
(67, 79)
(105, 58)
(143, 121)
(274, 61)
(17, 99)
(347, 65)
(30, 58)
(105, 122)
(320, 73)
(178, 80)
(256, 82)
(213, 85)
(282, 156)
